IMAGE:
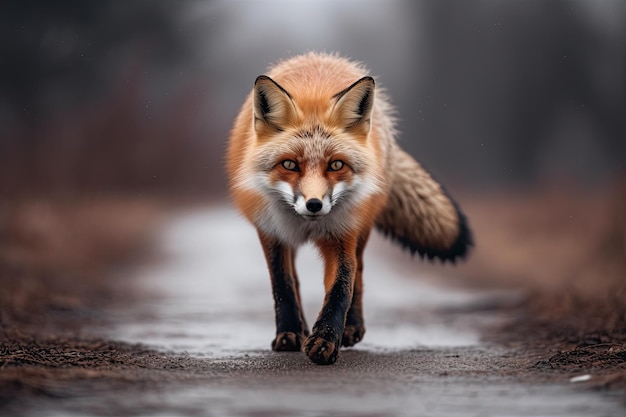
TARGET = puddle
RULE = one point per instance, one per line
(214, 298)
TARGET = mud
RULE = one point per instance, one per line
(447, 382)
(141, 341)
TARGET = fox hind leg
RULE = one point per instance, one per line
(296, 281)
(291, 328)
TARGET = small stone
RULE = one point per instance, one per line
(580, 378)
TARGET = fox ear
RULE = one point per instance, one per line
(353, 109)
(273, 106)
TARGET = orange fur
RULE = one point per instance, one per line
(312, 156)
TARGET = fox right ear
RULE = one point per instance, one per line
(273, 106)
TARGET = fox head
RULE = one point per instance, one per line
(313, 153)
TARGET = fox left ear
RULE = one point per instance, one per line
(353, 108)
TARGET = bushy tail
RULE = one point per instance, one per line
(421, 216)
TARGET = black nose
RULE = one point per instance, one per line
(314, 205)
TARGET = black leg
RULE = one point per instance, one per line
(290, 326)
(355, 326)
(323, 345)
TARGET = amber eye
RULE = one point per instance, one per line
(290, 165)
(335, 165)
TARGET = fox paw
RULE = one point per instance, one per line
(320, 350)
(287, 342)
(352, 334)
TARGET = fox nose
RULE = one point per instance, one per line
(314, 205)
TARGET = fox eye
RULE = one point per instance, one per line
(290, 165)
(335, 165)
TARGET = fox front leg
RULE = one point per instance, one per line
(355, 326)
(291, 328)
(322, 347)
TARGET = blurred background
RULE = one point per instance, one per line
(518, 107)
(138, 97)
(114, 117)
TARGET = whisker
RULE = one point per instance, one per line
(340, 195)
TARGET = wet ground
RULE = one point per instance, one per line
(205, 318)
(419, 382)
(212, 296)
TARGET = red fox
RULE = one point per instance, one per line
(312, 156)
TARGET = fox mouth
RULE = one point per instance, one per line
(311, 217)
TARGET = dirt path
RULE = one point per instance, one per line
(203, 316)
(420, 382)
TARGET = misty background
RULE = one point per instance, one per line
(138, 97)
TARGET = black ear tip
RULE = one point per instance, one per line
(262, 78)
(367, 79)
(269, 82)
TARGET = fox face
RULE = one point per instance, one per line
(313, 166)
(312, 188)
(314, 177)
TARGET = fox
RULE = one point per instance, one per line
(313, 157)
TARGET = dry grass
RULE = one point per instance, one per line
(567, 252)
(57, 263)
(547, 240)
(56, 257)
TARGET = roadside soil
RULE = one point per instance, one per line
(564, 250)
(567, 252)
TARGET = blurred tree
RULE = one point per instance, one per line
(63, 52)
(100, 96)
(514, 89)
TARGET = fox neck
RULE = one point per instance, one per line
(281, 221)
